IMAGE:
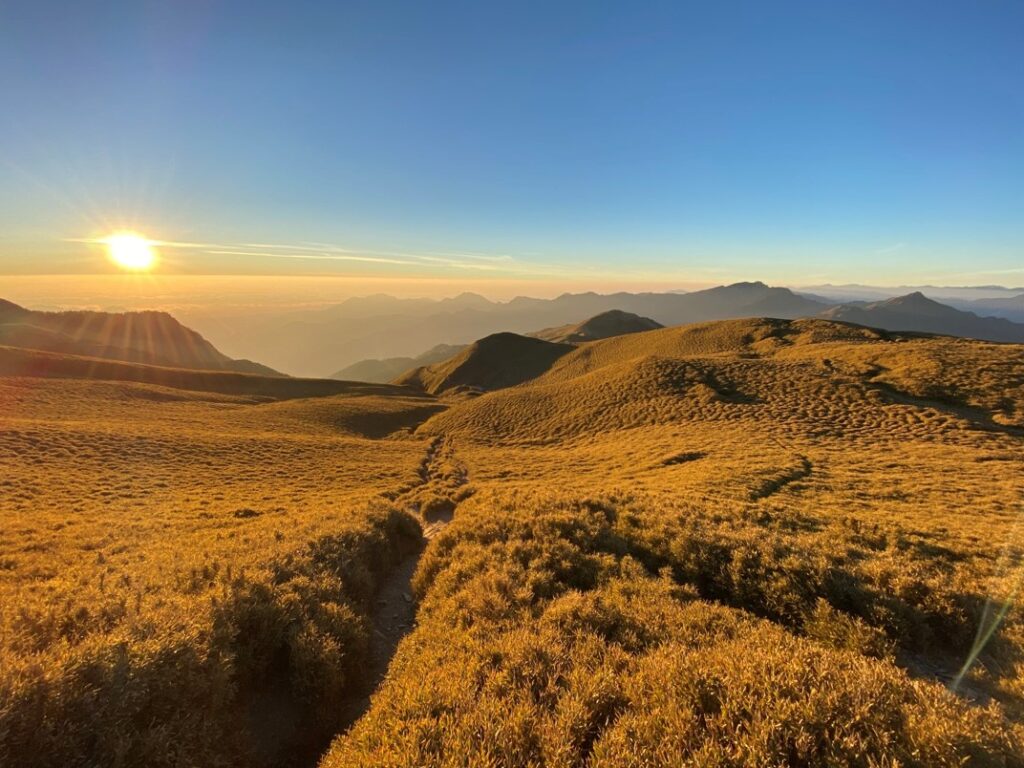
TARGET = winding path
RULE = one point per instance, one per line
(432, 502)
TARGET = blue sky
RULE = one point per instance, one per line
(793, 142)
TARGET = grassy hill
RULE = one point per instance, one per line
(780, 370)
(500, 360)
(742, 542)
(37, 364)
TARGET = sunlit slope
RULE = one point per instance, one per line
(620, 631)
(805, 377)
(739, 543)
(18, 362)
(500, 360)
(153, 338)
(171, 558)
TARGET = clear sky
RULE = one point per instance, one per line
(794, 142)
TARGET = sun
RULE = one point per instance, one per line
(131, 251)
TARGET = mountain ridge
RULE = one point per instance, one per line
(916, 312)
(324, 341)
(148, 337)
(614, 322)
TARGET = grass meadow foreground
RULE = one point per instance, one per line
(744, 543)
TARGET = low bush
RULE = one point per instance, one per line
(291, 638)
(542, 640)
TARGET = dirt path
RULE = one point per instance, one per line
(433, 502)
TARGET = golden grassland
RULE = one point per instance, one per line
(160, 547)
(740, 543)
(576, 632)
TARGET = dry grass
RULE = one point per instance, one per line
(772, 543)
(161, 547)
(548, 636)
(741, 543)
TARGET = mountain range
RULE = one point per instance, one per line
(614, 322)
(150, 338)
(319, 342)
(916, 312)
(459, 320)
(379, 338)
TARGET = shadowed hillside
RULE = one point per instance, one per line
(1011, 307)
(501, 360)
(153, 338)
(607, 324)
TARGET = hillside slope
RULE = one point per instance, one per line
(751, 542)
(496, 361)
(152, 338)
(759, 541)
(612, 323)
(30, 363)
(383, 371)
(777, 371)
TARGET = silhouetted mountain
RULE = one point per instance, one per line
(916, 312)
(496, 361)
(383, 371)
(152, 338)
(1011, 307)
(614, 322)
(382, 327)
(954, 295)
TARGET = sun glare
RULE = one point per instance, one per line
(130, 250)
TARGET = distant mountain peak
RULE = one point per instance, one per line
(918, 313)
(915, 302)
(912, 297)
(468, 297)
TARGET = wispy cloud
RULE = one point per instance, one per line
(495, 264)
(312, 256)
(332, 252)
(894, 248)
